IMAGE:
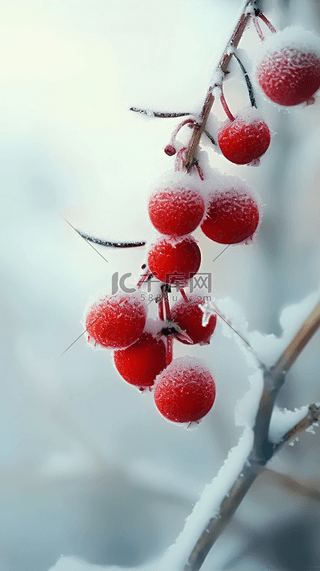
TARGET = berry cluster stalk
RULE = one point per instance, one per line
(223, 65)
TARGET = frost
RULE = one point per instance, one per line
(283, 420)
(311, 429)
(218, 183)
(288, 67)
(176, 179)
(292, 37)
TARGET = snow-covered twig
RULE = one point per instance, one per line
(263, 448)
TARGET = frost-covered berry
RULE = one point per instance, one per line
(244, 139)
(116, 321)
(232, 215)
(185, 391)
(188, 315)
(288, 70)
(172, 261)
(176, 211)
(140, 363)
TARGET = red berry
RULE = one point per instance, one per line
(288, 66)
(244, 139)
(173, 261)
(232, 217)
(140, 363)
(185, 391)
(116, 321)
(188, 315)
(170, 150)
(289, 76)
(176, 211)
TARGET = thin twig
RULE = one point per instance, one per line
(298, 343)
(223, 64)
(108, 243)
(311, 417)
(159, 114)
(210, 137)
(291, 485)
(248, 81)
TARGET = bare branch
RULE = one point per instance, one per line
(291, 485)
(251, 470)
(262, 450)
(300, 340)
(312, 417)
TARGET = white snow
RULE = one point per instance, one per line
(283, 420)
(292, 37)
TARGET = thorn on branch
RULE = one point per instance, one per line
(248, 81)
(210, 137)
(159, 114)
(108, 243)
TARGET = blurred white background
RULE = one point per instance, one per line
(88, 467)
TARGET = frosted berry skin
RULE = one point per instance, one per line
(289, 76)
(241, 141)
(116, 321)
(174, 261)
(185, 391)
(232, 217)
(188, 315)
(140, 363)
(176, 211)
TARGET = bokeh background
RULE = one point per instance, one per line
(88, 468)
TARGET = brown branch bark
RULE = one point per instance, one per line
(291, 485)
(298, 343)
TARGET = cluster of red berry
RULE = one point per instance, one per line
(184, 390)
(228, 212)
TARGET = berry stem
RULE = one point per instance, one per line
(169, 349)
(144, 277)
(172, 145)
(180, 159)
(267, 22)
(184, 295)
(258, 29)
(160, 308)
(225, 105)
(199, 169)
(222, 67)
(177, 129)
(167, 306)
(248, 81)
